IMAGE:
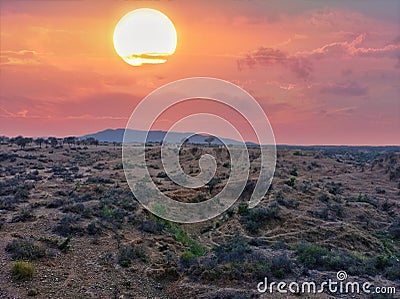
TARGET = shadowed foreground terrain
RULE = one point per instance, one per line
(71, 228)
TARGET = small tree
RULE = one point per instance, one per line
(209, 140)
(70, 140)
(21, 141)
(4, 139)
(53, 141)
(39, 141)
(91, 141)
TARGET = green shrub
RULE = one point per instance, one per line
(184, 238)
(394, 230)
(393, 272)
(21, 270)
(243, 209)
(382, 262)
(364, 198)
(56, 203)
(395, 174)
(8, 203)
(288, 203)
(162, 175)
(299, 153)
(380, 190)
(151, 226)
(127, 254)
(334, 188)
(324, 198)
(322, 213)
(234, 260)
(257, 217)
(65, 245)
(230, 213)
(294, 172)
(281, 265)
(188, 256)
(69, 226)
(94, 229)
(24, 216)
(99, 180)
(212, 183)
(78, 208)
(25, 249)
(311, 255)
(200, 197)
(21, 192)
(234, 250)
(291, 182)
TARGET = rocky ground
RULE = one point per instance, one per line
(69, 213)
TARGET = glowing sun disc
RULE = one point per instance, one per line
(145, 36)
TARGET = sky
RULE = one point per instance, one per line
(324, 72)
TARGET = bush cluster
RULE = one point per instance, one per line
(127, 254)
(237, 260)
(394, 230)
(313, 256)
(69, 226)
(255, 218)
(26, 249)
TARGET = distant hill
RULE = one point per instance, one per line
(117, 135)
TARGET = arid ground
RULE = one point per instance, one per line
(70, 215)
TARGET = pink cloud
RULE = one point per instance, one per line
(267, 57)
(22, 113)
(22, 57)
(343, 49)
(345, 89)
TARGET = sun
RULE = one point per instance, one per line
(145, 36)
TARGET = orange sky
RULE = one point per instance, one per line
(325, 72)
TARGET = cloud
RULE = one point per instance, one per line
(345, 89)
(22, 57)
(22, 113)
(282, 85)
(301, 63)
(266, 57)
(4, 113)
(345, 111)
(351, 49)
(101, 105)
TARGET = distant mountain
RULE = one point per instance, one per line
(108, 135)
(117, 135)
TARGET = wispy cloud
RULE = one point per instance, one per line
(266, 57)
(352, 48)
(22, 57)
(345, 89)
(345, 111)
(7, 114)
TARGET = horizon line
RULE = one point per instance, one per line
(246, 141)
